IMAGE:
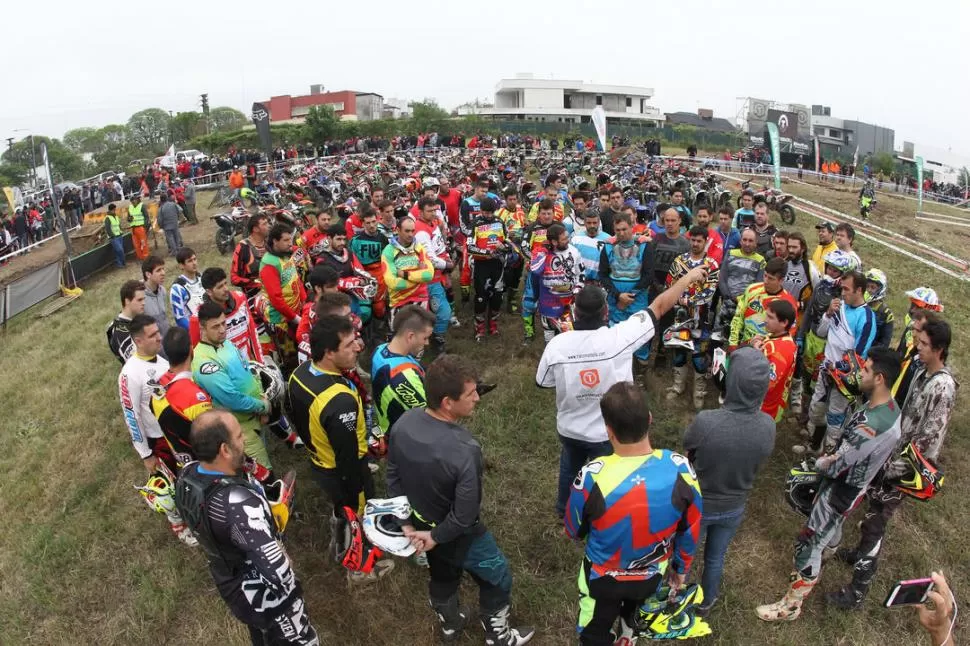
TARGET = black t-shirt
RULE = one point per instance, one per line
(665, 249)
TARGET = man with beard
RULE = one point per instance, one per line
(233, 519)
(244, 273)
(741, 267)
(665, 247)
(555, 274)
(316, 239)
(407, 268)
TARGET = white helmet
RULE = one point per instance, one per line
(382, 522)
(430, 181)
(270, 377)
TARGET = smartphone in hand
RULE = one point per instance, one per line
(909, 593)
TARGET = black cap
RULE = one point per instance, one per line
(826, 225)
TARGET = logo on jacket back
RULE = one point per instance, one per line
(589, 378)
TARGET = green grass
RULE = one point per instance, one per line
(83, 561)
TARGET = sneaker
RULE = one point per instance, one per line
(704, 609)
(379, 571)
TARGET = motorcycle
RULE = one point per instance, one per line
(230, 225)
(866, 204)
(777, 201)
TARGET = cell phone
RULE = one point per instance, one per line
(909, 593)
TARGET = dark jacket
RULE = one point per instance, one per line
(727, 446)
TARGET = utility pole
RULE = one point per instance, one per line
(9, 144)
(205, 111)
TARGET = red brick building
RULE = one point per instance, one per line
(348, 104)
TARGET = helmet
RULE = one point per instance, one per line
(663, 617)
(382, 524)
(877, 276)
(846, 374)
(430, 182)
(159, 491)
(279, 495)
(839, 260)
(679, 335)
(352, 551)
(801, 486)
(925, 298)
(923, 479)
(270, 377)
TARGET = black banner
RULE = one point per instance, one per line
(261, 121)
(787, 122)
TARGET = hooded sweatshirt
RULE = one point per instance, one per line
(727, 446)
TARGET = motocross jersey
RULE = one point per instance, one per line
(799, 281)
(430, 237)
(137, 383)
(743, 219)
(240, 327)
(314, 242)
(397, 382)
(764, 238)
(665, 250)
(590, 249)
(514, 222)
(780, 352)
(850, 329)
(418, 268)
(186, 297)
(534, 238)
(245, 267)
(553, 280)
(328, 414)
(640, 515)
(698, 296)
(487, 236)
(715, 246)
(283, 288)
(738, 271)
(231, 518)
(749, 318)
(349, 269)
(884, 323)
(224, 374)
(470, 210)
(367, 249)
(179, 401)
(119, 338)
(626, 267)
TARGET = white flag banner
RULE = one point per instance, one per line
(599, 122)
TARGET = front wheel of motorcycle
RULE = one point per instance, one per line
(787, 214)
(224, 241)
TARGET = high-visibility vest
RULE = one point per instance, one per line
(115, 225)
(136, 215)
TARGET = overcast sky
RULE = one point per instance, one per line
(901, 64)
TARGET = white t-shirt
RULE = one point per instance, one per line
(582, 365)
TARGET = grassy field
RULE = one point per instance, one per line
(83, 561)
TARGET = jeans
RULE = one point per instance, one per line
(173, 238)
(717, 532)
(118, 245)
(481, 557)
(438, 301)
(574, 455)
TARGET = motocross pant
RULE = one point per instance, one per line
(489, 286)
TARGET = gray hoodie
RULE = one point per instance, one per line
(727, 446)
(156, 306)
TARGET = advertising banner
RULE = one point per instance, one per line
(261, 121)
(919, 184)
(599, 122)
(786, 122)
(775, 152)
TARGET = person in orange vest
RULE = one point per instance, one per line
(236, 182)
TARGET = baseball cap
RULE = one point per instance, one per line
(826, 225)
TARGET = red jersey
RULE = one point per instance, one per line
(452, 202)
(180, 402)
(314, 242)
(715, 248)
(780, 352)
(240, 328)
(353, 225)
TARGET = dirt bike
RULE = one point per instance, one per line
(229, 225)
(777, 201)
(866, 204)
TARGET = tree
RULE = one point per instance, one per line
(82, 140)
(882, 163)
(322, 123)
(13, 174)
(428, 116)
(226, 119)
(150, 129)
(963, 178)
(65, 163)
(186, 125)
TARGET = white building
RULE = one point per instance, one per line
(938, 164)
(528, 98)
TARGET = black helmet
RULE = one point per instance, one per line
(801, 486)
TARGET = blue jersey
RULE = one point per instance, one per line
(589, 250)
(553, 279)
(852, 329)
(639, 515)
(224, 374)
(626, 267)
(397, 381)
